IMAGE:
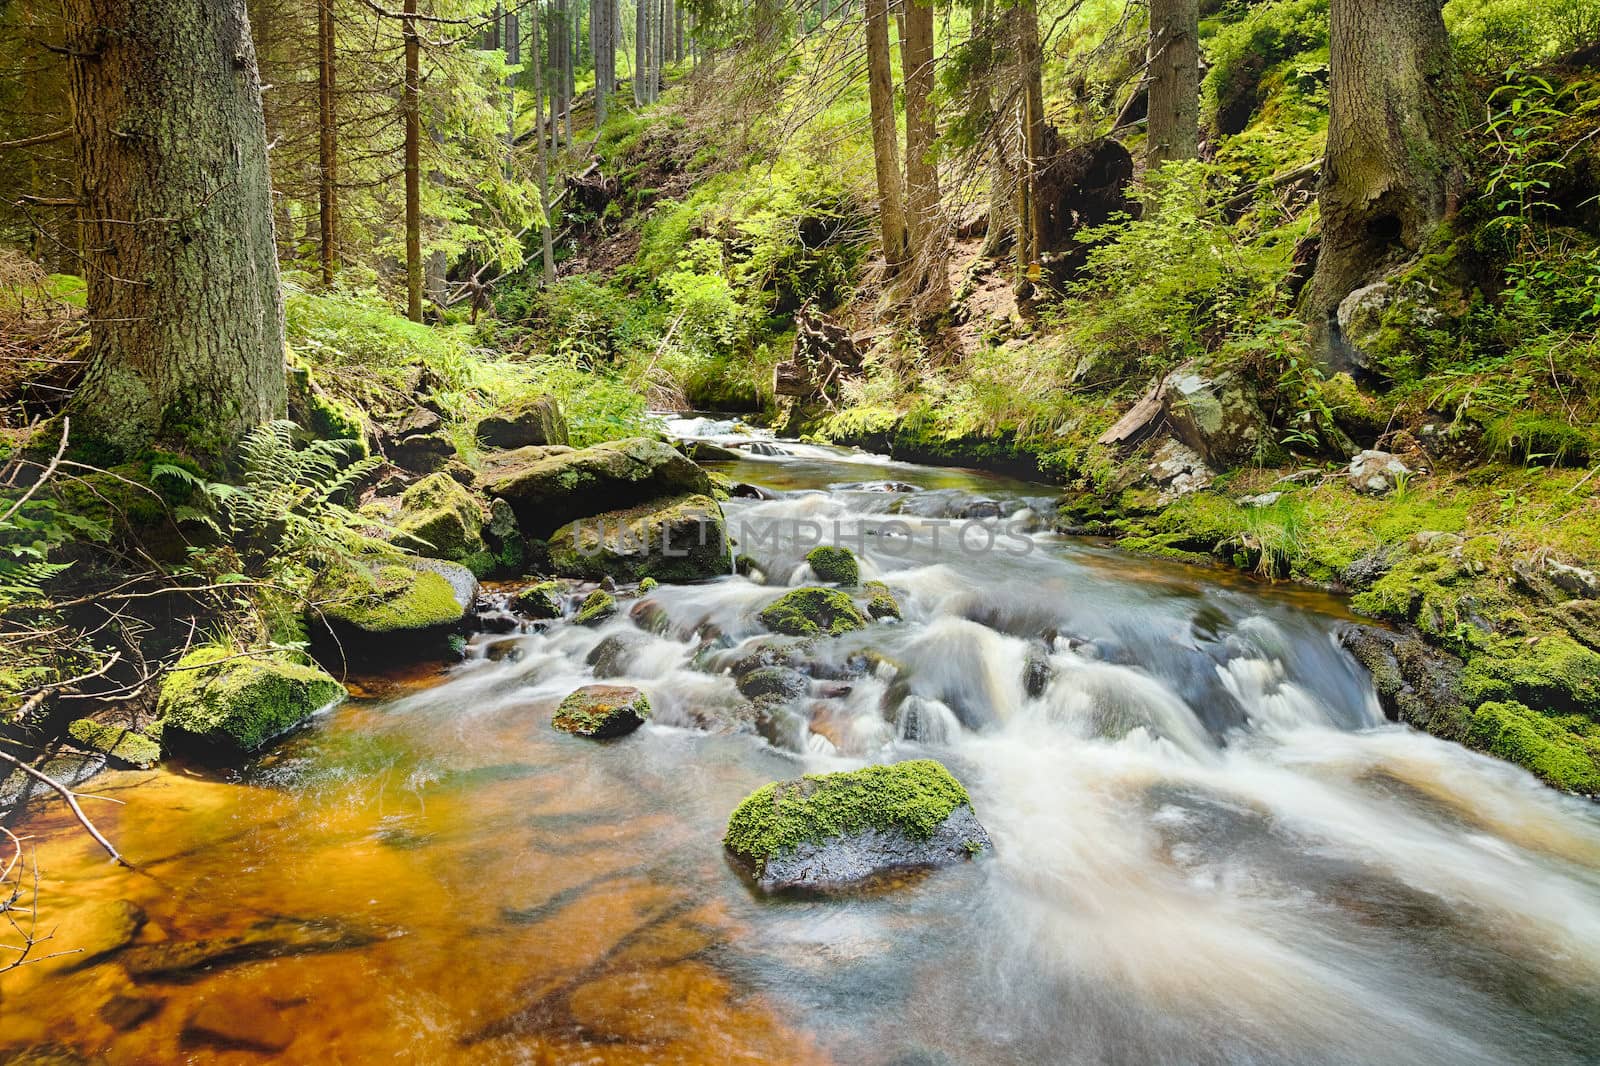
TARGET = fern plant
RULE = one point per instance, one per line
(290, 506)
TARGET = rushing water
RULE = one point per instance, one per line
(1209, 846)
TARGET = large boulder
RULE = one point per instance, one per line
(217, 700)
(397, 606)
(812, 611)
(601, 712)
(548, 489)
(830, 830)
(679, 539)
(1217, 416)
(534, 421)
(442, 519)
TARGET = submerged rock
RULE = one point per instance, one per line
(806, 612)
(834, 565)
(602, 711)
(679, 539)
(215, 701)
(233, 1021)
(831, 830)
(185, 961)
(549, 488)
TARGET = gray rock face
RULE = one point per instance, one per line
(774, 682)
(844, 860)
(679, 539)
(1179, 470)
(1360, 317)
(1376, 472)
(1217, 417)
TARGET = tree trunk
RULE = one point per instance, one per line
(927, 235)
(411, 107)
(1174, 77)
(1393, 166)
(327, 151)
(885, 152)
(546, 238)
(513, 41)
(186, 343)
(641, 32)
(1030, 142)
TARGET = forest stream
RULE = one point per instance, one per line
(1209, 844)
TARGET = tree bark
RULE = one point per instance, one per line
(926, 229)
(546, 238)
(1174, 79)
(411, 108)
(1030, 142)
(885, 136)
(1393, 168)
(187, 338)
(641, 33)
(327, 149)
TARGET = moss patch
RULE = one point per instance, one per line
(596, 608)
(213, 701)
(881, 603)
(122, 745)
(835, 565)
(602, 711)
(812, 611)
(1565, 753)
(392, 597)
(444, 517)
(912, 797)
(540, 602)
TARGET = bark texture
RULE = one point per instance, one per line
(924, 219)
(327, 146)
(187, 335)
(1393, 167)
(885, 136)
(411, 107)
(1030, 121)
(1174, 81)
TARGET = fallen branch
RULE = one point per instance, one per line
(72, 801)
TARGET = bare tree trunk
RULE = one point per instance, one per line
(546, 238)
(186, 339)
(885, 137)
(922, 172)
(327, 149)
(411, 106)
(1030, 120)
(1174, 78)
(641, 33)
(569, 84)
(677, 30)
(513, 44)
(1393, 168)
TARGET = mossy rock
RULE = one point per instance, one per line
(401, 606)
(830, 830)
(212, 701)
(1551, 673)
(549, 488)
(881, 602)
(1562, 752)
(596, 607)
(601, 712)
(117, 743)
(835, 565)
(535, 421)
(679, 539)
(541, 602)
(811, 611)
(442, 519)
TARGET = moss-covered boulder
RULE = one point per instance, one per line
(441, 519)
(536, 420)
(881, 603)
(812, 611)
(215, 700)
(398, 606)
(549, 488)
(117, 743)
(678, 539)
(835, 565)
(596, 607)
(541, 602)
(831, 830)
(602, 711)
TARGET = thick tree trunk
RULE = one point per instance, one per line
(641, 54)
(411, 108)
(1393, 166)
(924, 221)
(546, 238)
(327, 149)
(885, 136)
(186, 341)
(1030, 142)
(1174, 80)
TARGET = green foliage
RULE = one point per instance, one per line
(913, 798)
(1493, 35)
(1241, 54)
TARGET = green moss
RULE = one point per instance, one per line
(122, 745)
(389, 598)
(596, 608)
(444, 517)
(1561, 755)
(647, 584)
(811, 611)
(834, 564)
(912, 797)
(683, 538)
(1533, 437)
(214, 699)
(602, 711)
(880, 601)
(1552, 673)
